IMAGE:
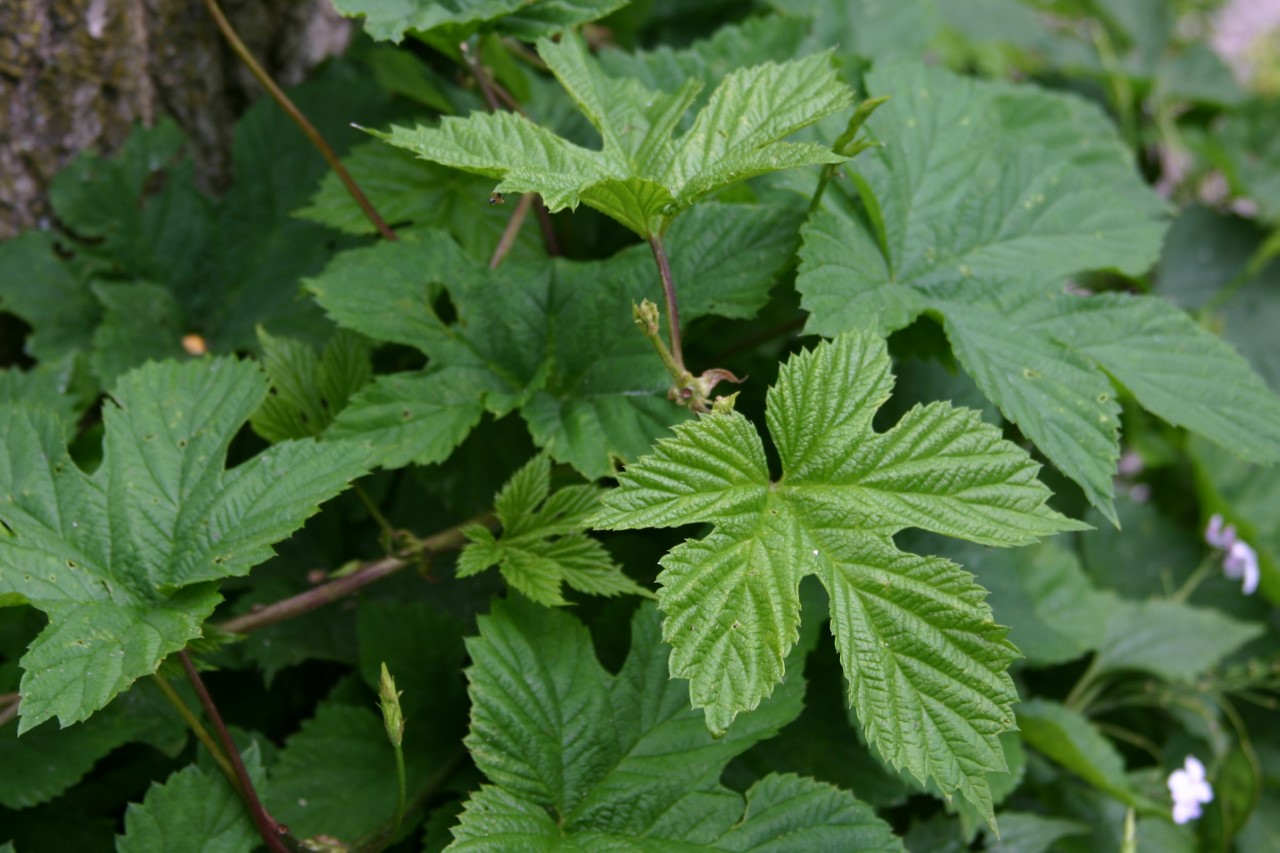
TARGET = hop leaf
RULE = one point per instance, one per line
(123, 561)
(925, 662)
(543, 544)
(597, 761)
(642, 177)
(553, 339)
(391, 19)
(1012, 190)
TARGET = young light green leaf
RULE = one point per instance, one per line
(1030, 187)
(925, 662)
(391, 19)
(576, 754)
(554, 339)
(543, 543)
(122, 560)
(641, 176)
(308, 390)
(751, 42)
(195, 809)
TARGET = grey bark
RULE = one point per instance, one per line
(78, 74)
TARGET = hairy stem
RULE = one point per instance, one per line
(446, 540)
(512, 230)
(272, 833)
(669, 291)
(198, 729)
(278, 95)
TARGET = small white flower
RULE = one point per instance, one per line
(1218, 536)
(1189, 789)
(1242, 563)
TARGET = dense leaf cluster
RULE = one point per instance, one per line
(998, 352)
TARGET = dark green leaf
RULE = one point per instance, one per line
(121, 560)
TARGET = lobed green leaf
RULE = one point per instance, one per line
(642, 176)
(924, 660)
(123, 560)
(579, 756)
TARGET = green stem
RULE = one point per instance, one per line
(303, 123)
(1130, 737)
(1121, 91)
(829, 173)
(420, 801)
(1084, 691)
(646, 314)
(401, 790)
(1261, 256)
(198, 729)
(1194, 580)
(388, 532)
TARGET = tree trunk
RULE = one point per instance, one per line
(78, 74)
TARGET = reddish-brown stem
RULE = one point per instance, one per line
(482, 78)
(326, 593)
(669, 291)
(272, 833)
(299, 119)
(493, 95)
(512, 230)
(9, 704)
(548, 232)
